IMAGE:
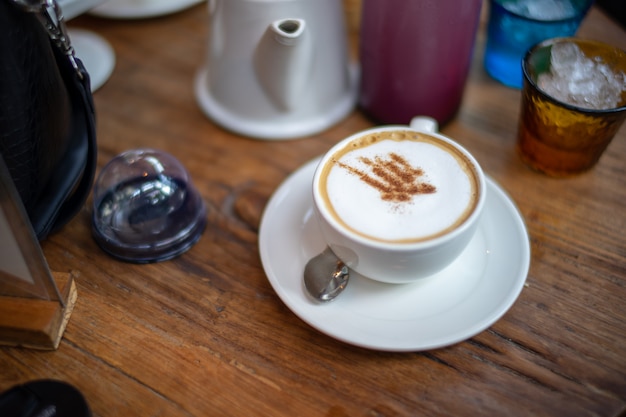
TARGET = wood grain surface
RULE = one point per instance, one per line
(206, 335)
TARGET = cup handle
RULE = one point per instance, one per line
(424, 124)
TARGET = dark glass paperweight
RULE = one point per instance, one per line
(145, 207)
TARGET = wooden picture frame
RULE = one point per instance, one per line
(35, 304)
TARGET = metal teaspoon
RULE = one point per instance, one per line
(325, 276)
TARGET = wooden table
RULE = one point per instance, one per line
(205, 334)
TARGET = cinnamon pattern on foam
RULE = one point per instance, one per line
(395, 179)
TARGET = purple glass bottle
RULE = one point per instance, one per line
(415, 56)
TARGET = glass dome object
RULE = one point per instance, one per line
(145, 207)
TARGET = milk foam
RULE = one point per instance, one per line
(360, 207)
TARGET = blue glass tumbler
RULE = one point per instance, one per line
(516, 25)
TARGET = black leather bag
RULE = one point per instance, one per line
(47, 118)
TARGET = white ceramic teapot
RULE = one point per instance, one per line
(276, 69)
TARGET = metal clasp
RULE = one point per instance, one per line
(52, 18)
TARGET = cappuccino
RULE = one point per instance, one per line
(399, 186)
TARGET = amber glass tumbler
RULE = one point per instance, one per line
(562, 139)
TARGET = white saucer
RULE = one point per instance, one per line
(449, 307)
(96, 54)
(141, 9)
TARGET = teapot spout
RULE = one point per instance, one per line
(283, 60)
(288, 31)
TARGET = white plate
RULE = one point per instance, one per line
(451, 306)
(96, 54)
(141, 9)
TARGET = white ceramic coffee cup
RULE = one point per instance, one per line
(402, 259)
